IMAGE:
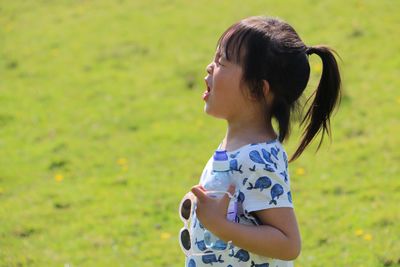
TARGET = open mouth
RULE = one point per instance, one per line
(208, 87)
(207, 92)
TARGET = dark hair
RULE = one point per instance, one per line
(270, 49)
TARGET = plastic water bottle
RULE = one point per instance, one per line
(220, 180)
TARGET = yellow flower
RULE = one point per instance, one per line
(58, 177)
(359, 232)
(165, 235)
(300, 171)
(1, 190)
(367, 237)
(398, 100)
(122, 161)
(124, 168)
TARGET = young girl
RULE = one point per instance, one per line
(259, 72)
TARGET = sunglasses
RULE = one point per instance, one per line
(186, 210)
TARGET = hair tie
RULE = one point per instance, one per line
(310, 50)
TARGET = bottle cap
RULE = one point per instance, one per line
(221, 162)
(220, 155)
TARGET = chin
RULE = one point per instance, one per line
(209, 110)
(212, 112)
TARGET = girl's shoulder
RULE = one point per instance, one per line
(261, 153)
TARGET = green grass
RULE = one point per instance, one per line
(86, 86)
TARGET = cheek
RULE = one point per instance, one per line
(224, 84)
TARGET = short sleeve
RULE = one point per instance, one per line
(206, 171)
(265, 182)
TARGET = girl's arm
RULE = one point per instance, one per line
(277, 238)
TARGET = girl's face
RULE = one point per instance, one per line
(224, 96)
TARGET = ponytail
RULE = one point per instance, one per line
(327, 95)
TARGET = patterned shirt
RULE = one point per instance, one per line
(260, 172)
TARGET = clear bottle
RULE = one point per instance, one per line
(220, 180)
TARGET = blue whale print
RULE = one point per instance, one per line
(274, 152)
(200, 245)
(267, 157)
(285, 176)
(285, 159)
(201, 226)
(240, 197)
(253, 169)
(220, 245)
(234, 155)
(211, 258)
(262, 183)
(256, 157)
(261, 171)
(276, 191)
(269, 168)
(259, 265)
(241, 255)
(233, 164)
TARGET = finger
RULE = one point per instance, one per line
(231, 190)
(200, 194)
(201, 187)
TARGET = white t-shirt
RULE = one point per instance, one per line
(260, 172)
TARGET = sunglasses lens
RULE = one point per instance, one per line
(186, 208)
(185, 239)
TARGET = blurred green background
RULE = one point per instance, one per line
(102, 129)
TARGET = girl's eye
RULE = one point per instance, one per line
(217, 60)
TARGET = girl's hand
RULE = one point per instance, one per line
(211, 211)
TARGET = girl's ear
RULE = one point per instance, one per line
(267, 92)
(265, 87)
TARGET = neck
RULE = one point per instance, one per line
(247, 131)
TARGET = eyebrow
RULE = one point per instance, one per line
(220, 56)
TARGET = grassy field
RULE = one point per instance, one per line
(102, 129)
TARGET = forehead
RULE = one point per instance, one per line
(232, 45)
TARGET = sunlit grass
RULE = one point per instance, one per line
(102, 130)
